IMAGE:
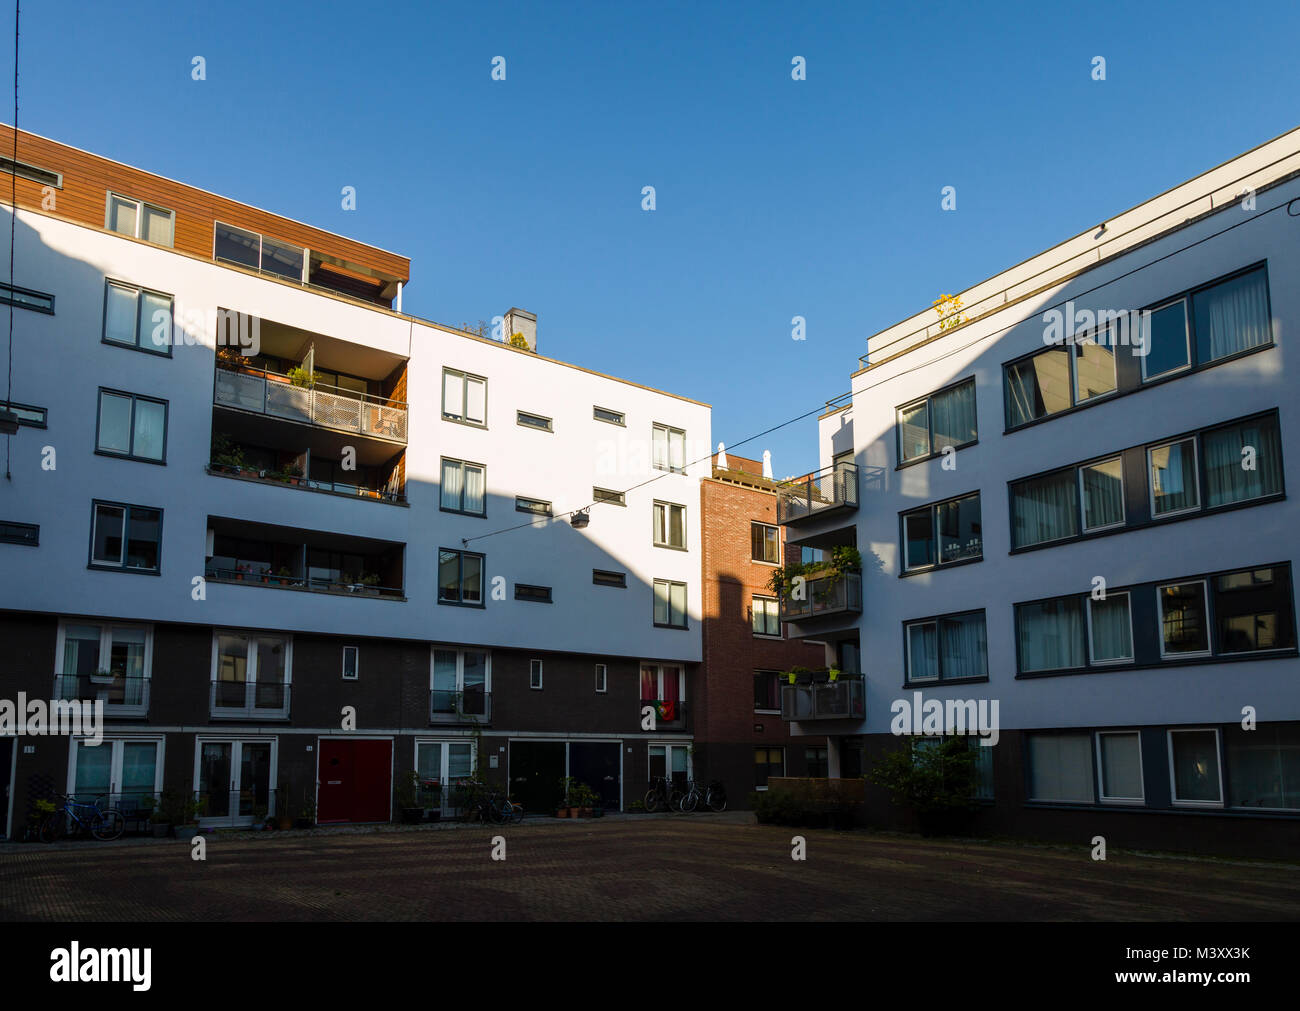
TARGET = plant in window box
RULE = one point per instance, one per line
(301, 377)
(102, 677)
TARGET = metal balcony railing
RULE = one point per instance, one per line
(122, 694)
(249, 700)
(267, 577)
(823, 596)
(832, 490)
(271, 393)
(469, 706)
(844, 699)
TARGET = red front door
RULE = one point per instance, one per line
(356, 780)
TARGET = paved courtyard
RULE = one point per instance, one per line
(696, 867)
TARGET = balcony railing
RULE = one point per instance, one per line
(470, 706)
(122, 694)
(331, 407)
(828, 491)
(292, 481)
(314, 583)
(823, 596)
(844, 699)
(668, 715)
(249, 700)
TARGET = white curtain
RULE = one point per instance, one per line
(1051, 635)
(953, 417)
(157, 226)
(1121, 766)
(1045, 509)
(119, 314)
(1103, 493)
(453, 395)
(150, 427)
(964, 650)
(1232, 316)
(114, 423)
(452, 484)
(1227, 478)
(1060, 767)
(474, 489)
(923, 651)
(914, 431)
(1111, 631)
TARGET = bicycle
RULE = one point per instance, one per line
(487, 805)
(714, 797)
(663, 795)
(104, 824)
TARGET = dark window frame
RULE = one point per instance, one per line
(465, 377)
(524, 591)
(933, 509)
(617, 580)
(686, 608)
(754, 525)
(9, 533)
(31, 172)
(139, 344)
(621, 499)
(549, 425)
(461, 553)
(775, 676)
(7, 292)
(126, 508)
(622, 417)
(654, 533)
(753, 599)
(899, 462)
(134, 397)
(463, 463)
(14, 406)
(935, 619)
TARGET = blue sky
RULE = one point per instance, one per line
(775, 198)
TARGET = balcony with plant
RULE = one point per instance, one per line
(829, 586)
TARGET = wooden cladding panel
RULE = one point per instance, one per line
(88, 178)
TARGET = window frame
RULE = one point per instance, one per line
(776, 682)
(928, 399)
(1084, 529)
(544, 511)
(933, 509)
(7, 292)
(621, 584)
(1190, 364)
(356, 663)
(1174, 800)
(767, 765)
(461, 553)
(134, 398)
(602, 679)
(622, 417)
(1204, 582)
(139, 345)
(548, 426)
(909, 681)
(535, 667)
(1090, 658)
(126, 508)
(1100, 768)
(140, 205)
(619, 500)
(686, 607)
(667, 506)
(18, 408)
(669, 432)
(1151, 448)
(765, 527)
(8, 537)
(465, 378)
(775, 613)
(442, 462)
(31, 172)
(539, 598)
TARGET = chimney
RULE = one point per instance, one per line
(521, 321)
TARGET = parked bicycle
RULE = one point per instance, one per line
(74, 817)
(713, 796)
(663, 795)
(479, 802)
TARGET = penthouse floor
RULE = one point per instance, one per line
(696, 867)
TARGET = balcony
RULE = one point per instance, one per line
(249, 700)
(826, 493)
(329, 407)
(843, 699)
(669, 715)
(122, 694)
(255, 574)
(824, 597)
(474, 705)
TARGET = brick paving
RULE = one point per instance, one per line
(694, 867)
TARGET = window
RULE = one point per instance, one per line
(947, 648)
(767, 691)
(1232, 316)
(663, 688)
(765, 543)
(20, 533)
(26, 298)
(943, 533)
(1048, 382)
(817, 762)
(538, 594)
(460, 683)
(1050, 635)
(670, 604)
(1101, 485)
(1194, 772)
(1243, 461)
(31, 417)
(535, 674)
(91, 657)
(669, 525)
(1119, 767)
(351, 662)
(1168, 342)
(140, 220)
(258, 252)
(608, 497)
(137, 318)
(608, 416)
(1264, 767)
(1110, 629)
(1060, 768)
(1253, 612)
(768, 762)
(1174, 486)
(460, 577)
(464, 487)
(25, 170)
(767, 616)
(132, 426)
(533, 421)
(464, 398)
(602, 577)
(127, 537)
(602, 678)
(668, 449)
(1094, 365)
(943, 419)
(532, 505)
(250, 673)
(440, 763)
(1183, 627)
(127, 768)
(1044, 509)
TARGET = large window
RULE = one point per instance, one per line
(928, 426)
(140, 220)
(768, 762)
(663, 686)
(464, 488)
(947, 648)
(669, 525)
(1087, 498)
(460, 577)
(126, 537)
(1225, 319)
(764, 543)
(1060, 768)
(1119, 767)
(670, 604)
(1070, 633)
(1174, 487)
(1263, 767)
(1194, 770)
(767, 691)
(668, 447)
(132, 426)
(767, 616)
(251, 671)
(1184, 625)
(1253, 611)
(123, 771)
(464, 398)
(258, 252)
(1243, 461)
(943, 533)
(113, 659)
(1051, 381)
(460, 681)
(137, 318)
(1169, 347)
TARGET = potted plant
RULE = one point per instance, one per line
(301, 377)
(102, 677)
(935, 780)
(159, 823)
(370, 583)
(259, 817)
(182, 810)
(408, 799)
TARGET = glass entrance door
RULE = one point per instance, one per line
(234, 781)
